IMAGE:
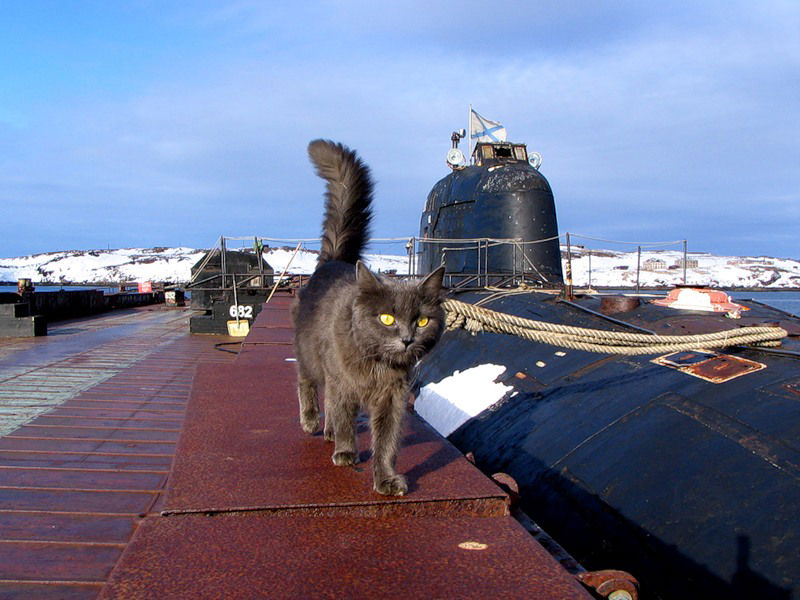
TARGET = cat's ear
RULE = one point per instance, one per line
(431, 286)
(365, 278)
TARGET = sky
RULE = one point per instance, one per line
(165, 123)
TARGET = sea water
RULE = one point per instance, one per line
(58, 288)
(785, 301)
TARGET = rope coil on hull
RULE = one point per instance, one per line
(477, 319)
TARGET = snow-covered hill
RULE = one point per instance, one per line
(102, 266)
(664, 268)
(601, 268)
(151, 264)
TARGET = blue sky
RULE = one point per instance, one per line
(159, 123)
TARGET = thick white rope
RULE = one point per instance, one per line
(478, 319)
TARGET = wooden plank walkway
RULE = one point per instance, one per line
(92, 414)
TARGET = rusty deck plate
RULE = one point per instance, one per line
(258, 556)
(243, 449)
(244, 416)
(710, 366)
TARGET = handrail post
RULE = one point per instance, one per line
(568, 282)
(638, 266)
(223, 266)
(590, 268)
(685, 260)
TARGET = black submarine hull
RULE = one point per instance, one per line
(691, 486)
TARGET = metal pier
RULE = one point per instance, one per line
(251, 507)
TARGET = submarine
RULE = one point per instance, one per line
(681, 467)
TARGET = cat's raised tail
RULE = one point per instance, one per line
(348, 199)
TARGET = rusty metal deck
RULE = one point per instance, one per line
(252, 507)
(259, 556)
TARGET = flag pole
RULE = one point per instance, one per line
(469, 136)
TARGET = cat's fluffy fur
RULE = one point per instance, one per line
(341, 342)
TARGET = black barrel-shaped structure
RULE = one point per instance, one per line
(500, 197)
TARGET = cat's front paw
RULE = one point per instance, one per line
(344, 459)
(395, 485)
(310, 424)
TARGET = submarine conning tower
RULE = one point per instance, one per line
(492, 222)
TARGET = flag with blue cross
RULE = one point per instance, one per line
(484, 130)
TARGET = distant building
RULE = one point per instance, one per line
(691, 263)
(654, 264)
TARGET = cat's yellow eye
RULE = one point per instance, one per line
(387, 319)
(422, 321)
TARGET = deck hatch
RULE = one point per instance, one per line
(709, 366)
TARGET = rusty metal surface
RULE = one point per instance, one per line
(272, 326)
(255, 508)
(622, 585)
(612, 305)
(276, 313)
(258, 556)
(92, 413)
(710, 366)
(243, 449)
(271, 335)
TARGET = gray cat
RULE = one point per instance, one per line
(356, 333)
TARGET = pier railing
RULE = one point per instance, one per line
(582, 257)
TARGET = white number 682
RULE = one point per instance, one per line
(242, 311)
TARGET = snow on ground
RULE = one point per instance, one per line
(600, 268)
(95, 266)
(448, 404)
(664, 268)
(154, 264)
(306, 260)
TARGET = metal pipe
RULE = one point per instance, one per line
(235, 300)
(568, 282)
(685, 261)
(514, 262)
(259, 248)
(478, 261)
(223, 266)
(410, 253)
(486, 263)
(638, 265)
(203, 264)
(590, 269)
(194, 284)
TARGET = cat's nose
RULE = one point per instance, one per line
(407, 341)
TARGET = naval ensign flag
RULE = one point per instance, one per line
(484, 130)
